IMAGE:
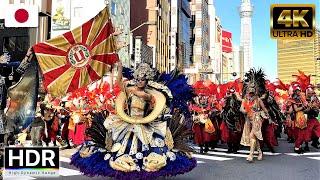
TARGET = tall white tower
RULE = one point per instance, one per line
(245, 11)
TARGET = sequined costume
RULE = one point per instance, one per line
(255, 111)
(136, 142)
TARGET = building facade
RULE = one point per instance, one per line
(142, 52)
(214, 47)
(246, 11)
(303, 55)
(156, 33)
(217, 60)
(201, 62)
(180, 45)
(236, 61)
(120, 15)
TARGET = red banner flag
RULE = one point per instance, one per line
(226, 41)
(78, 57)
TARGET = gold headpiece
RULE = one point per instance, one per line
(144, 71)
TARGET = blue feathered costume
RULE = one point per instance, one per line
(118, 150)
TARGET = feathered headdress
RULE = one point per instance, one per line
(144, 71)
(254, 81)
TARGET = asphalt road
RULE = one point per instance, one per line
(217, 165)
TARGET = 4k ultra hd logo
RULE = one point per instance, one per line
(292, 21)
(31, 161)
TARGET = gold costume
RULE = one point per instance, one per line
(253, 124)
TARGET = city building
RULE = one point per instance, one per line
(300, 54)
(180, 44)
(236, 61)
(215, 48)
(150, 19)
(246, 11)
(142, 52)
(229, 63)
(217, 59)
(120, 15)
(201, 64)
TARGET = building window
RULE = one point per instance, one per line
(198, 50)
(113, 8)
(198, 32)
(198, 15)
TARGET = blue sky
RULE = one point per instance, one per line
(264, 48)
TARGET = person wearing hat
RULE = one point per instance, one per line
(299, 107)
(313, 112)
(289, 122)
(203, 128)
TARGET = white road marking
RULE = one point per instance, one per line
(264, 153)
(200, 162)
(68, 172)
(222, 150)
(214, 158)
(18, 177)
(227, 154)
(304, 154)
(315, 158)
(64, 159)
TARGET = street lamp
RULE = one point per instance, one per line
(131, 35)
(145, 23)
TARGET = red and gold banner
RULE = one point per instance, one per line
(78, 57)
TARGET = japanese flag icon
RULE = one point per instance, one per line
(20, 15)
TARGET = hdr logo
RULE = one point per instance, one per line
(292, 21)
(31, 161)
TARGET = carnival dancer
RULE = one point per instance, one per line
(299, 107)
(233, 121)
(136, 142)
(313, 112)
(255, 112)
(289, 124)
(272, 128)
(205, 125)
(64, 120)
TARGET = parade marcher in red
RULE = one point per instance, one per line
(203, 128)
(289, 122)
(313, 125)
(299, 107)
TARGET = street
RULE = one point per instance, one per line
(218, 164)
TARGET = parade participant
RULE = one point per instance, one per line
(37, 129)
(313, 112)
(299, 106)
(136, 142)
(255, 112)
(272, 128)
(233, 120)
(205, 132)
(289, 122)
(64, 119)
(77, 127)
(48, 119)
